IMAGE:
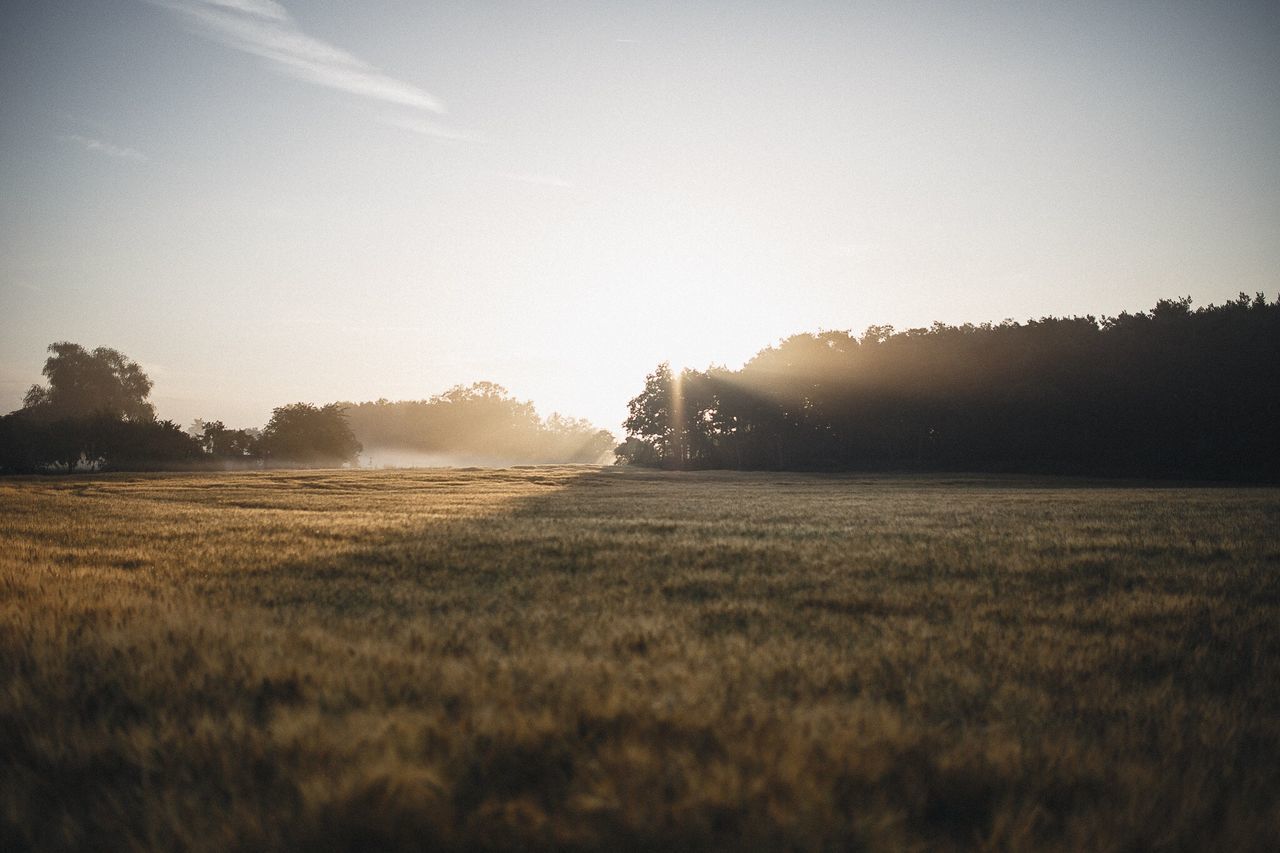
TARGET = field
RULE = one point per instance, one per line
(577, 658)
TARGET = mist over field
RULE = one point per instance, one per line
(391, 457)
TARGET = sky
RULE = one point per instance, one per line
(269, 202)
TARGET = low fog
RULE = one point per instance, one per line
(395, 457)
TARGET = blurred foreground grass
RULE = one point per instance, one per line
(569, 658)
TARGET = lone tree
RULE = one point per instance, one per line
(104, 383)
(304, 434)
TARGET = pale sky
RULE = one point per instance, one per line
(267, 202)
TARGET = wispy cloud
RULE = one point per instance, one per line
(265, 29)
(540, 180)
(431, 129)
(103, 147)
(268, 9)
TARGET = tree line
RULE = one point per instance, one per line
(1173, 391)
(93, 412)
(481, 420)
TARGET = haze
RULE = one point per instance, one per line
(270, 202)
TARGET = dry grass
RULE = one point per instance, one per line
(605, 659)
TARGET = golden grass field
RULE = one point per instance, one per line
(612, 659)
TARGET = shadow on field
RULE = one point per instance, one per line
(605, 660)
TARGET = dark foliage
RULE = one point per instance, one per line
(86, 384)
(93, 413)
(303, 434)
(31, 442)
(1169, 392)
(221, 443)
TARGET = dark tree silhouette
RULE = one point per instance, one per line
(303, 434)
(85, 384)
(1175, 391)
(94, 412)
(652, 416)
(219, 442)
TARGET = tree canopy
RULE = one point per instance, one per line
(1172, 391)
(101, 383)
(94, 411)
(481, 419)
(303, 434)
(221, 442)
